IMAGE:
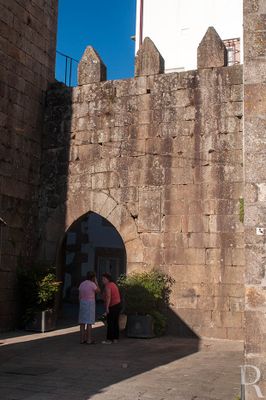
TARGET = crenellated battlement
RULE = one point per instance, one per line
(160, 157)
(211, 53)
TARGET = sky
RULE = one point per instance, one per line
(107, 25)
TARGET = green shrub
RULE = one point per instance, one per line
(147, 293)
(37, 287)
(160, 322)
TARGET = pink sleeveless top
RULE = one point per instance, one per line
(87, 290)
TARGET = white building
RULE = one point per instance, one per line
(177, 26)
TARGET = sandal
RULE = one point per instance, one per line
(92, 342)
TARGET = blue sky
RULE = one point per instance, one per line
(106, 25)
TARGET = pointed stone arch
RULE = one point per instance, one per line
(104, 205)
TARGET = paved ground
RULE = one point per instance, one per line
(55, 366)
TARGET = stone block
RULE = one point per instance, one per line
(206, 303)
(236, 93)
(153, 256)
(225, 223)
(254, 99)
(185, 256)
(255, 297)
(224, 290)
(178, 207)
(255, 171)
(151, 239)
(214, 256)
(235, 275)
(171, 223)
(179, 176)
(109, 205)
(105, 180)
(254, 332)
(211, 331)
(227, 319)
(128, 229)
(185, 302)
(132, 147)
(195, 318)
(204, 240)
(134, 250)
(136, 266)
(238, 256)
(149, 210)
(261, 192)
(197, 223)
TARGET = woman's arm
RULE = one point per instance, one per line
(107, 299)
(97, 290)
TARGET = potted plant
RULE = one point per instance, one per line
(146, 298)
(37, 287)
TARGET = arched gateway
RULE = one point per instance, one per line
(160, 157)
(100, 203)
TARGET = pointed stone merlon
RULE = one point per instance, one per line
(211, 51)
(91, 67)
(148, 60)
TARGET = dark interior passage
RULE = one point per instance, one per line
(91, 244)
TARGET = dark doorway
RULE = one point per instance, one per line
(91, 244)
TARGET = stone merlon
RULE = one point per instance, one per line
(212, 52)
(91, 67)
(148, 60)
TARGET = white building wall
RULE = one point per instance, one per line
(177, 26)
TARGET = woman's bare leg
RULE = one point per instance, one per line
(89, 329)
(82, 333)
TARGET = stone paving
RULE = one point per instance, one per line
(55, 366)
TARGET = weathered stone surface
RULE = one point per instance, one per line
(148, 60)
(28, 41)
(160, 157)
(166, 173)
(149, 211)
(91, 68)
(211, 51)
(255, 178)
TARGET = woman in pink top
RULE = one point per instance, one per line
(87, 290)
(113, 308)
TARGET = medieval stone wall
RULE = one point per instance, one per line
(27, 59)
(255, 193)
(159, 156)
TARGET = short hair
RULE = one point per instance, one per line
(107, 276)
(90, 275)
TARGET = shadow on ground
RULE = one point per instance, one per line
(54, 366)
(59, 367)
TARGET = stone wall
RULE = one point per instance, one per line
(159, 156)
(27, 59)
(255, 191)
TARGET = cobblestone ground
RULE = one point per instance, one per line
(55, 366)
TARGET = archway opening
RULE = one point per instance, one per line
(91, 243)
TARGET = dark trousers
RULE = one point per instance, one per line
(113, 322)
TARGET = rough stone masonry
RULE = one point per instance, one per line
(27, 62)
(255, 193)
(159, 156)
